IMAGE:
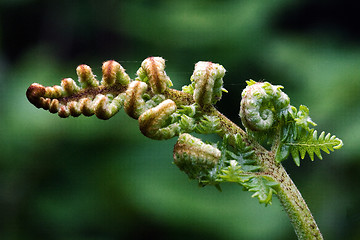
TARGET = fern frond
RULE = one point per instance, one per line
(309, 142)
(303, 119)
(239, 166)
(104, 99)
(208, 124)
(297, 138)
(263, 188)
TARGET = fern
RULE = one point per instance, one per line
(242, 169)
(265, 111)
(309, 142)
(263, 188)
(303, 119)
(297, 138)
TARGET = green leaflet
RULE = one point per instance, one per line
(240, 167)
(297, 138)
(263, 188)
(282, 153)
(300, 141)
(303, 119)
(191, 119)
(208, 124)
(309, 142)
(189, 88)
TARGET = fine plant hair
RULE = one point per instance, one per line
(251, 157)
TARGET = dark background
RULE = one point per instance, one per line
(84, 178)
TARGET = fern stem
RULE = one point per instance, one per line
(294, 204)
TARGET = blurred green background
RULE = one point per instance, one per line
(84, 178)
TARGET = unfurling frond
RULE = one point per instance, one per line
(263, 106)
(242, 168)
(194, 157)
(152, 71)
(104, 100)
(153, 121)
(303, 119)
(263, 186)
(207, 83)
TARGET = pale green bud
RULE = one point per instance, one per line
(153, 121)
(195, 157)
(134, 102)
(208, 81)
(114, 73)
(152, 71)
(86, 77)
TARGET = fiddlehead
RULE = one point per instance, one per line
(167, 119)
(207, 83)
(266, 113)
(265, 110)
(134, 104)
(153, 120)
(194, 157)
(152, 71)
(263, 105)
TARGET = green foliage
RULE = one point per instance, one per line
(309, 142)
(208, 124)
(303, 119)
(263, 188)
(298, 138)
(242, 169)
